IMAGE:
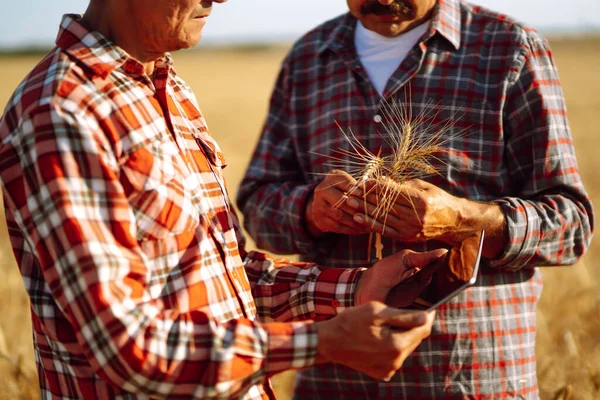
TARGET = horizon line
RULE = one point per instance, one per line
(285, 39)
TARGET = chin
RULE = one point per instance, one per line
(391, 29)
(186, 43)
(191, 40)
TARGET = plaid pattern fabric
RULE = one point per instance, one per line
(510, 144)
(122, 229)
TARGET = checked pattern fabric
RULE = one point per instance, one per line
(122, 229)
(509, 142)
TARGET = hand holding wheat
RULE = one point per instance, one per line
(421, 212)
(416, 144)
(327, 210)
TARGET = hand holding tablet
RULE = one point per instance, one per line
(439, 282)
(463, 267)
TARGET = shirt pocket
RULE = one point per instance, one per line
(161, 201)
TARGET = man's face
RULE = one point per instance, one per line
(393, 19)
(167, 25)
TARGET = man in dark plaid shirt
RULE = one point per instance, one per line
(509, 167)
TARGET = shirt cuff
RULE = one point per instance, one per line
(290, 346)
(522, 224)
(334, 291)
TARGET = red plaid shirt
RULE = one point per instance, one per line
(122, 229)
(496, 79)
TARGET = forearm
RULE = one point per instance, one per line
(473, 217)
(286, 291)
(551, 230)
(161, 353)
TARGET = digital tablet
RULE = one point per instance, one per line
(465, 285)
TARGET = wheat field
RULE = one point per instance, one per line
(233, 87)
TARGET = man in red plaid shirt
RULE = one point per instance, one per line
(133, 260)
(508, 167)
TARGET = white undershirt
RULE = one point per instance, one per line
(381, 55)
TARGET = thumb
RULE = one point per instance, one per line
(414, 260)
(402, 318)
(338, 174)
(417, 184)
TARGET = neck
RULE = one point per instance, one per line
(103, 19)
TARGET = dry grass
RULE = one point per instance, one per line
(568, 346)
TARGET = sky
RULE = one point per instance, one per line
(35, 22)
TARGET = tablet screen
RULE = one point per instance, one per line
(469, 257)
(438, 282)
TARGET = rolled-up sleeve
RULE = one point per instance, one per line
(285, 290)
(549, 214)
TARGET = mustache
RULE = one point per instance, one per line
(398, 7)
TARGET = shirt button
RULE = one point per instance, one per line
(335, 303)
(377, 118)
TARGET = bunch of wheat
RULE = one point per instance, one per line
(416, 142)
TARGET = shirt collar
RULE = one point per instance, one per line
(342, 36)
(446, 20)
(97, 53)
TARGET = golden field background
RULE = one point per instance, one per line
(233, 87)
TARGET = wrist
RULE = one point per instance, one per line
(473, 217)
(325, 337)
(312, 227)
(359, 288)
(461, 223)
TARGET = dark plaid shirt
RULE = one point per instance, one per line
(497, 81)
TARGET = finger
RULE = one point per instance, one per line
(392, 219)
(342, 174)
(373, 225)
(358, 203)
(413, 336)
(417, 184)
(430, 315)
(424, 276)
(337, 197)
(402, 319)
(408, 340)
(340, 179)
(415, 260)
(331, 191)
(339, 216)
(358, 191)
(385, 332)
(401, 201)
(337, 226)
